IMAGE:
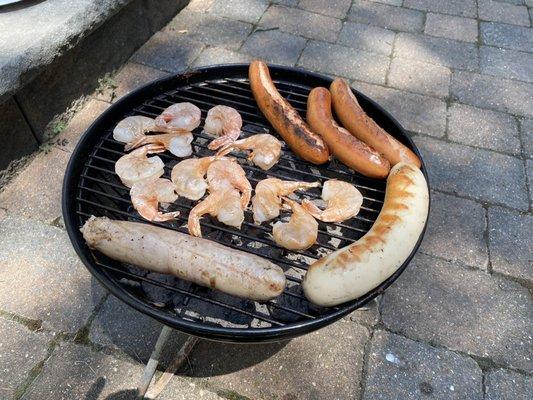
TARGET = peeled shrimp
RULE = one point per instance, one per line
(267, 200)
(178, 143)
(146, 196)
(226, 173)
(223, 204)
(180, 116)
(300, 232)
(136, 166)
(224, 122)
(133, 128)
(344, 202)
(188, 177)
(266, 149)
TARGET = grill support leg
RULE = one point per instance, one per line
(151, 366)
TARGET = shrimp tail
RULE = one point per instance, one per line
(162, 217)
(224, 151)
(137, 143)
(312, 208)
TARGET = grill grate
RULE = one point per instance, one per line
(99, 192)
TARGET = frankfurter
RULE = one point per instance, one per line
(346, 147)
(359, 124)
(354, 270)
(194, 259)
(284, 118)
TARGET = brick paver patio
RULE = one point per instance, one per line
(458, 74)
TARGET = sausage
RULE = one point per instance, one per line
(194, 259)
(347, 148)
(354, 270)
(284, 118)
(359, 124)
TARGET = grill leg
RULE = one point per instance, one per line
(151, 366)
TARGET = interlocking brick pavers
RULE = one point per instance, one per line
(367, 37)
(507, 385)
(274, 46)
(451, 27)
(385, 16)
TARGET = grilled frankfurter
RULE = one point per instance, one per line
(354, 270)
(359, 124)
(284, 118)
(346, 147)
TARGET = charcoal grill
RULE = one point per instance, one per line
(92, 188)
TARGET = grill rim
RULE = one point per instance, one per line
(219, 333)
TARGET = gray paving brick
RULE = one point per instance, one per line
(367, 315)
(400, 368)
(302, 23)
(483, 128)
(20, 351)
(462, 309)
(242, 10)
(367, 37)
(441, 51)
(451, 27)
(419, 77)
(385, 16)
(456, 231)
(511, 241)
(130, 77)
(28, 196)
(389, 2)
(526, 125)
(333, 8)
(477, 173)
(507, 385)
(219, 55)
(529, 170)
(490, 10)
(182, 388)
(415, 112)
(506, 63)
(199, 5)
(168, 51)
(288, 370)
(465, 8)
(275, 46)
(209, 29)
(289, 3)
(493, 92)
(41, 277)
(508, 36)
(517, 2)
(339, 60)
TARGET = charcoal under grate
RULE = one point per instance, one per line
(91, 187)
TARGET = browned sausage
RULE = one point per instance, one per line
(353, 117)
(347, 148)
(284, 118)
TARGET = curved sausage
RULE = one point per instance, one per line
(194, 259)
(284, 118)
(355, 120)
(354, 270)
(347, 148)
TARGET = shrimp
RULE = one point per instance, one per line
(146, 196)
(300, 232)
(133, 128)
(224, 122)
(266, 149)
(136, 166)
(226, 173)
(266, 202)
(343, 202)
(223, 204)
(178, 117)
(188, 177)
(178, 143)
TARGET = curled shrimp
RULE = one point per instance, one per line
(266, 149)
(224, 122)
(300, 232)
(227, 173)
(133, 128)
(268, 192)
(136, 166)
(188, 177)
(178, 117)
(343, 202)
(224, 204)
(146, 196)
(178, 143)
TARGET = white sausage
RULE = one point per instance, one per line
(354, 270)
(194, 259)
